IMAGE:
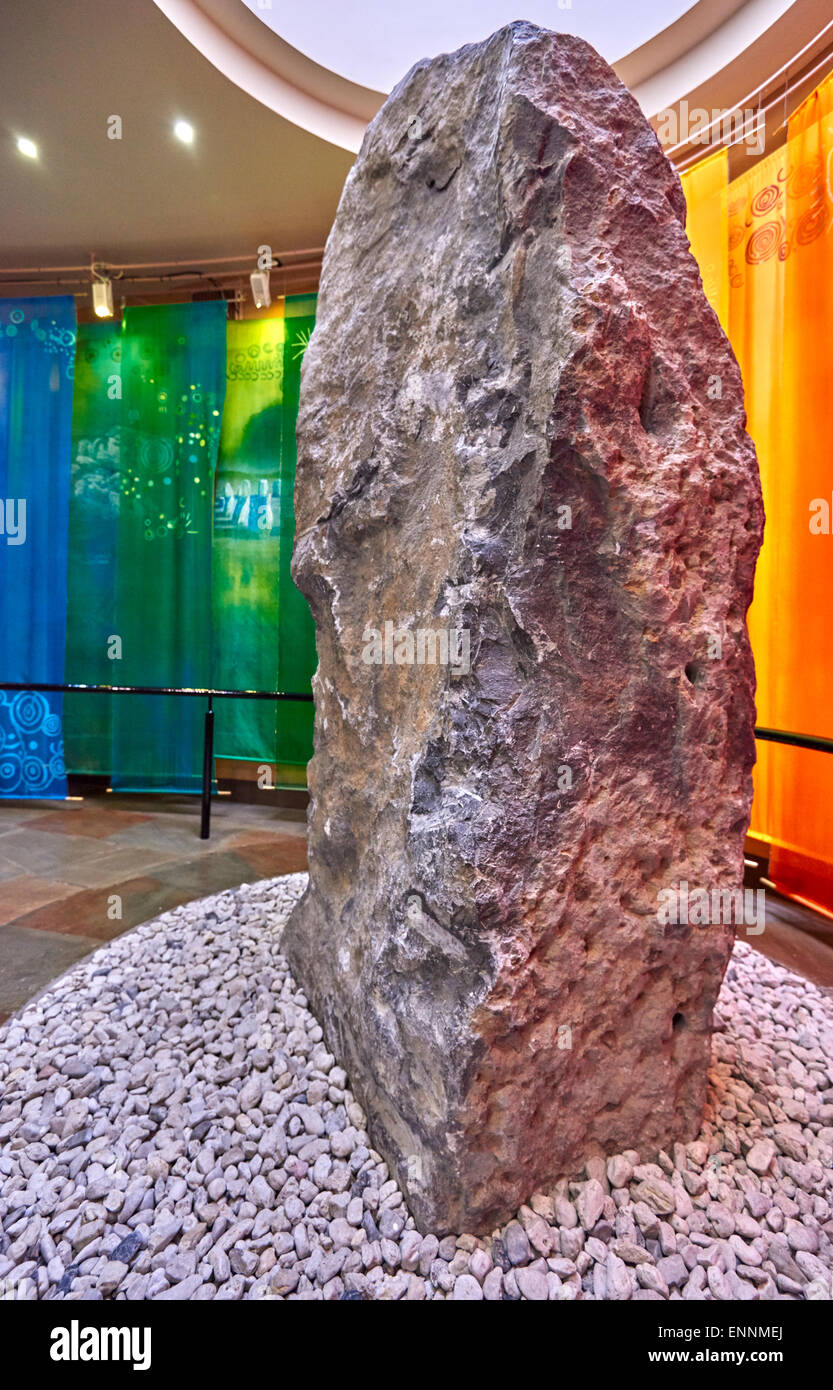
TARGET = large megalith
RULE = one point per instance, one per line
(527, 523)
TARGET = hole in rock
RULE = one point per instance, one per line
(678, 1022)
(693, 673)
(657, 407)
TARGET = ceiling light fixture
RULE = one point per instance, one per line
(261, 289)
(184, 131)
(27, 147)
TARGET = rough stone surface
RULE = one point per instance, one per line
(214, 1206)
(520, 420)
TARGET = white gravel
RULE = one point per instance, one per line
(172, 1126)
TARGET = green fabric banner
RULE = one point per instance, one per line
(173, 372)
(93, 537)
(263, 632)
(296, 629)
(180, 541)
(247, 538)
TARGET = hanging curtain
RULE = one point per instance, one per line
(179, 565)
(795, 208)
(93, 536)
(173, 371)
(706, 188)
(37, 341)
(296, 629)
(264, 633)
(247, 539)
(779, 250)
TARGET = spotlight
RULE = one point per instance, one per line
(184, 131)
(261, 292)
(27, 147)
(102, 296)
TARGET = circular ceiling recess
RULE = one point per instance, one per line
(374, 43)
(326, 65)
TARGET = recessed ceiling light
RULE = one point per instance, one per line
(184, 131)
(27, 147)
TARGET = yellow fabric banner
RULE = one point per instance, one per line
(779, 257)
(706, 188)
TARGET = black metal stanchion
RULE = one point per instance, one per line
(207, 771)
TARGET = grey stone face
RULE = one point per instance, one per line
(522, 433)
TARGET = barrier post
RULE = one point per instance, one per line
(207, 770)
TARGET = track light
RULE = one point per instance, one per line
(27, 147)
(261, 291)
(103, 299)
(102, 294)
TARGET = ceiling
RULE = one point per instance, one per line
(251, 177)
(275, 127)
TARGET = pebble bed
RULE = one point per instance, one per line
(172, 1126)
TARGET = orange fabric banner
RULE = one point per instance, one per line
(779, 256)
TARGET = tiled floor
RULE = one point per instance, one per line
(76, 873)
(798, 938)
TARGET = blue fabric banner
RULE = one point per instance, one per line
(37, 357)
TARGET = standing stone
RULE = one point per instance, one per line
(521, 424)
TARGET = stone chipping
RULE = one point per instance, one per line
(173, 1127)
